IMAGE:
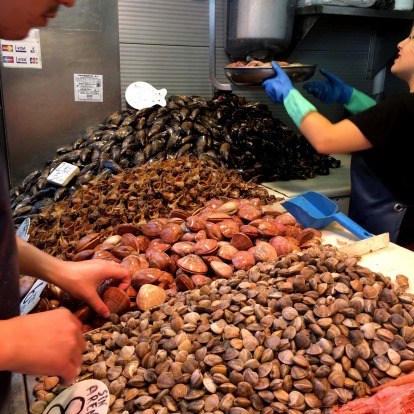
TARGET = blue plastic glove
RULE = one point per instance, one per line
(281, 90)
(279, 86)
(330, 90)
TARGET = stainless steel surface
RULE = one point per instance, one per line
(258, 28)
(40, 111)
(256, 75)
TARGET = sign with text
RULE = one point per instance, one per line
(84, 397)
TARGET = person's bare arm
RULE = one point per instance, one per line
(329, 138)
(80, 279)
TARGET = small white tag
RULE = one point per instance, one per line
(143, 95)
(23, 230)
(88, 88)
(32, 298)
(84, 397)
(62, 174)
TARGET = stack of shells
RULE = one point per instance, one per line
(135, 196)
(299, 334)
(179, 253)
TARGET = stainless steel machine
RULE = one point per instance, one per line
(258, 29)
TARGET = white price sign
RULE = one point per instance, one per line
(84, 397)
(23, 230)
(32, 298)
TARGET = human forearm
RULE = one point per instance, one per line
(329, 138)
(35, 262)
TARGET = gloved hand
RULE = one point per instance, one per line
(281, 90)
(279, 86)
(330, 90)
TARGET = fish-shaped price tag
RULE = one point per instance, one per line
(141, 95)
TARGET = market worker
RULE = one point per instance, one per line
(379, 136)
(49, 343)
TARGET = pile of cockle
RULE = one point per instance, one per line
(299, 334)
(137, 195)
(234, 133)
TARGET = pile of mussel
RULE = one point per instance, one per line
(228, 130)
(137, 195)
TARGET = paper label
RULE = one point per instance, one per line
(88, 88)
(62, 174)
(143, 95)
(23, 230)
(32, 298)
(24, 53)
(84, 397)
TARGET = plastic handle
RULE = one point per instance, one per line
(350, 225)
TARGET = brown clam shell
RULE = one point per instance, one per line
(192, 264)
(88, 242)
(241, 242)
(184, 282)
(221, 269)
(116, 300)
(243, 260)
(228, 228)
(248, 212)
(206, 246)
(145, 276)
(171, 233)
(149, 296)
(183, 248)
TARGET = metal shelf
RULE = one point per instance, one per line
(355, 11)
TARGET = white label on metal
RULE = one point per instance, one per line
(32, 298)
(88, 88)
(143, 95)
(85, 397)
(62, 174)
(24, 53)
(23, 230)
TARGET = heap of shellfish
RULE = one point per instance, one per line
(232, 132)
(135, 196)
(299, 334)
(186, 250)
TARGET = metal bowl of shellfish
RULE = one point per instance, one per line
(255, 75)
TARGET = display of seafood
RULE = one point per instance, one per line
(183, 251)
(228, 130)
(135, 196)
(303, 333)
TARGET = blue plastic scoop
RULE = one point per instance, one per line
(314, 210)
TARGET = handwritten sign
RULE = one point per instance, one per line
(23, 230)
(32, 298)
(85, 397)
(143, 95)
(62, 174)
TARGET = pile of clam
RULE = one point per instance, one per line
(135, 196)
(184, 251)
(298, 334)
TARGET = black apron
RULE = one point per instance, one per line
(371, 204)
(9, 278)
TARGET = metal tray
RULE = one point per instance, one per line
(255, 75)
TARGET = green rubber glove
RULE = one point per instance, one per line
(359, 102)
(297, 106)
